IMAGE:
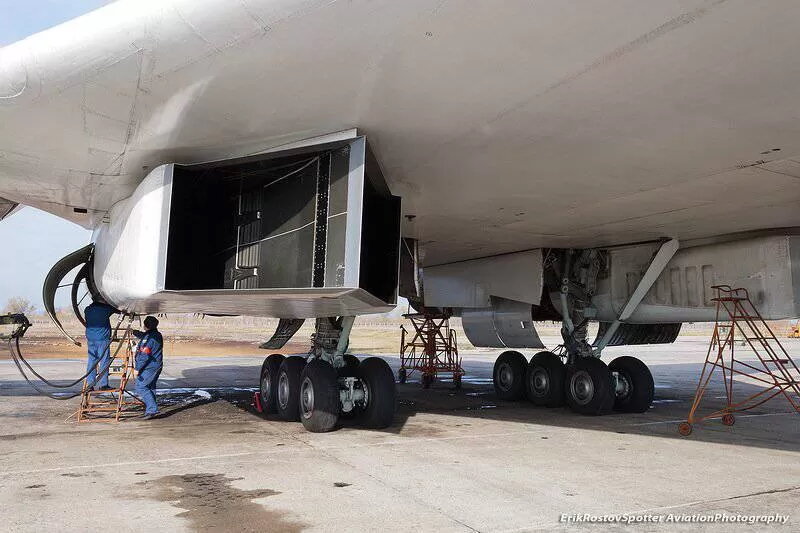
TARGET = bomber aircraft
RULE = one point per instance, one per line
(505, 162)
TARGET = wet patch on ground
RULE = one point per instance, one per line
(211, 503)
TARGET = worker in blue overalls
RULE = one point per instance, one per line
(149, 363)
(98, 340)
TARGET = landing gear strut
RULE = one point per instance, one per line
(328, 383)
(582, 381)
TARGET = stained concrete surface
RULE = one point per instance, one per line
(452, 461)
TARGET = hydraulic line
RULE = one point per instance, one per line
(14, 344)
(16, 354)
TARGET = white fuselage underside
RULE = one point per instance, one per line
(504, 126)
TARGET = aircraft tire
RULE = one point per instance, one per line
(350, 369)
(268, 383)
(588, 387)
(544, 380)
(637, 383)
(378, 381)
(289, 388)
(319, 397)
(509, 375)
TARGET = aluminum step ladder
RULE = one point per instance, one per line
(112, 405)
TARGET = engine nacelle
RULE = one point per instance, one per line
(308, 232)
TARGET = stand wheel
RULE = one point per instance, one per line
(402, 375)
(457, 381)
(289, 388)
(319, 397)
(728, 419)
(268, 384)
(427, 381)
(380, 392)
(685, 429)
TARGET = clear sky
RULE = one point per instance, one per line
(32, 241)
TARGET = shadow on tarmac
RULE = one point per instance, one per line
(768, 426)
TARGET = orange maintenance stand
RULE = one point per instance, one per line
(738, 320)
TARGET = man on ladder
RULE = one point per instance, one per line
(98, 340)
(149, 362)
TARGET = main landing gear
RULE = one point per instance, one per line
(588, 386)
(328, 384)
(582, 381)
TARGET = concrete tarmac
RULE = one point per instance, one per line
(452, 461)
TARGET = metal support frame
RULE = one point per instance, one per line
(659, 262)
(16, 319)
(432, 349)
(777, 374)
(575, 298)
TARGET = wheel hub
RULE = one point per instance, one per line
(505, 376)
(307, 397)
(581, 387)
(283, 391)
(540, 382)
(623, 385)
(265, 386)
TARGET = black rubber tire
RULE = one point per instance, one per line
(378, 380)
(268, 383)
(593, 371)
(319, 397)
(402, 375)
(350, 369)
(509, 375)
(457, 382)
(548, 372)
(642, 388)
(427, 380)
(290, 370)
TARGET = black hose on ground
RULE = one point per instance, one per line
(14, 343)
(16, 354)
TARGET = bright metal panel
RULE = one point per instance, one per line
(517, 276)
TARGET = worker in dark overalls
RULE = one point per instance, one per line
(149, 362)
(98, 340)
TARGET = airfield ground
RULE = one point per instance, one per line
(453, 460)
